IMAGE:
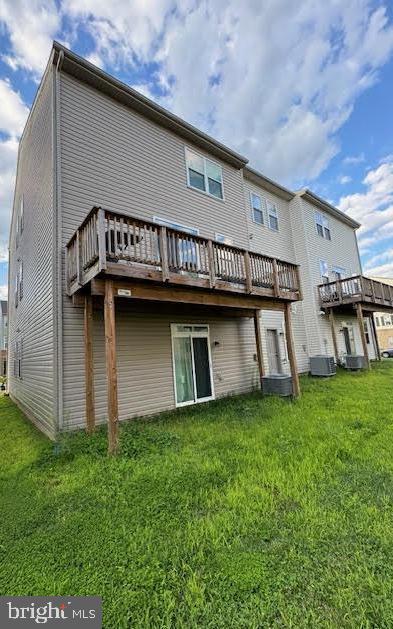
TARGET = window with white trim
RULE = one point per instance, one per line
(19, 283)
(339, 273)
(204, 175)
(257, 207)
(272, 216)
(323, 226)
(186, 249)
(224, 239)
(18, 355)
(324, 271)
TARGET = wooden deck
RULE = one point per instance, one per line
(122, 248)
(372, 295)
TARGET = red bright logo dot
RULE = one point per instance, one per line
(62, 606)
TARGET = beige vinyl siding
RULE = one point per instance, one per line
(113, 157)
(280, 245)
(32, 320)
(144, 361)
(262, 238)
(341, 251)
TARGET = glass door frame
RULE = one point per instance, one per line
(192, 334)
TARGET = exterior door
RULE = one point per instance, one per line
(273, 352)
(191, 364)
(349, 339)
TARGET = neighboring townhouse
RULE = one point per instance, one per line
(117, 201)
(384, 321)
(3, 337)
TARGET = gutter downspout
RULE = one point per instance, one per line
(57, 250)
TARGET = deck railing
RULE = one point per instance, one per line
(356, 289)
(106, 238)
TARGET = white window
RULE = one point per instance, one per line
(224, 239)
(272, 216)
(192, 366)
(21, 215)
(339, 273)
(203, 174)
(257, 207)
(322, 225)
(182, 250)
(18, 358)
(324, 270)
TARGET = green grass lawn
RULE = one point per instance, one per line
(242, 513)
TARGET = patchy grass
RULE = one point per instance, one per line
(243, 513)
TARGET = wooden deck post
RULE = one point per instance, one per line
(276, 281)
(247, 268)
(258, 340)
(89, 364)
(111, 369)
(212, 270)
(164, 253)
(291, 350)
(334, 336)
(375, 335)
(359, 313)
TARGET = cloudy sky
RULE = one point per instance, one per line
(304, 89)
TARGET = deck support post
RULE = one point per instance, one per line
(375, 337)
(111, 368)
(89, 364)
(291, 350)
(359, 312)
(334, 335)
(258, 341)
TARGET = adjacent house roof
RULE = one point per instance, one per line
(384, 280)
(4, 308)
(327, 207)
(261, 180)
(88, 73)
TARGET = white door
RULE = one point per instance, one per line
(192, 368)
(273, 352)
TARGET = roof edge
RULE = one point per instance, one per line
(313, 198)
(272, 186)
(85, 71)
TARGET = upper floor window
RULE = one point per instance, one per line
(181, 250)
(323, 226)
(257, 209)
(19, 283)
(339, 273)
(20, 220)
(204, 175)
(224, 239)
(324, 271)
(272, 216)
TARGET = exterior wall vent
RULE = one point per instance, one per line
(322, 366)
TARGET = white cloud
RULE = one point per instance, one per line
(31, 26)
(374, 210)
(274, 80)
(354, 159)
(4, 292)
(13, 114)
(344, 180)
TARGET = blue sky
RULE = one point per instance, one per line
(304, 90)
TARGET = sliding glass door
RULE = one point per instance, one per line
(191, 364)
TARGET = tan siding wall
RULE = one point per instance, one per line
(385, 338)
(113, 157)
(144, 359)
(32, 320)
(310, 249)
